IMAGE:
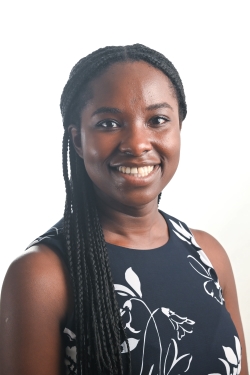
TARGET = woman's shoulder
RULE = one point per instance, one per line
(221, 263)
(216, 254)
(204, 241)
(42, 268)
(209, 243)
(35, 302)
(38, 277)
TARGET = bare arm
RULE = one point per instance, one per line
(34, 303)
(222, 266)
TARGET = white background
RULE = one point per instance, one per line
(208, 41)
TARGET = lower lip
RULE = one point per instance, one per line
(135, 180)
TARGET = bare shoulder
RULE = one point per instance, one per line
(39, 273)
(35, 301)
(221, 263)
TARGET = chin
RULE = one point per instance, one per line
(138, 200)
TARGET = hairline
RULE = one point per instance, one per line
(83, 97)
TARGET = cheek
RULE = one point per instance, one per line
(93, 169)
(171, 152)
(90, 147)
(95, 146)
(171, 145)
(95, 154)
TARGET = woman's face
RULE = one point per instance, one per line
(130, 133)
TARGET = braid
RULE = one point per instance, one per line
(98, 324)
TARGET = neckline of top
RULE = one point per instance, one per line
(166, 218)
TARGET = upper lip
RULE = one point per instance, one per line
(134, 163)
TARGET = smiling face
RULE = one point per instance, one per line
(130, 134)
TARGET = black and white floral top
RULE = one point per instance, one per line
(172, 307)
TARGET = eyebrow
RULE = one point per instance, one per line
(159, 105)
(106, 110)
(116, 110)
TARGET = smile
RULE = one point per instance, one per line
(137, 172)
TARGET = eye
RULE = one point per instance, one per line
(108, 124)
(158, 121)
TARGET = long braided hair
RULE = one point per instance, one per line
(98, 325)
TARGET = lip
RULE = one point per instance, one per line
(135, 163)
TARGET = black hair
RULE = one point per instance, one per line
(98, 325)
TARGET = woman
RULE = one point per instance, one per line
(118, 282)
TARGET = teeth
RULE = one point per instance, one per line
(140, 172)
(127, 170)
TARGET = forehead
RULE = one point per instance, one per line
(132, 80)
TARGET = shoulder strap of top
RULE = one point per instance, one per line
(172, 221)
(53, 238)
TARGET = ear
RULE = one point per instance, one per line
(75, 136)
(180, 125)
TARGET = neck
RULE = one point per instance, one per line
(141, 227)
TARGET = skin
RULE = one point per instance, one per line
(140, 128)
(138, 134)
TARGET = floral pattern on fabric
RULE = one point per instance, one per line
(70, 351)
(173, 349)
(169, 362)
(202, 266)
(232, 360)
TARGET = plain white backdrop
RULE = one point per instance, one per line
(208, 42)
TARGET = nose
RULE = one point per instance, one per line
(136, 140)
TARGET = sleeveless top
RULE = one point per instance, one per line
(171, 304)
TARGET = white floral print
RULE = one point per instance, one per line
(70, 351)
(182, 325)
(232, 361)
(211, 285)
(183, 234)
(169, 357)
(180, 364)
(202, 266)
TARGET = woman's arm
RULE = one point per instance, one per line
(34, 303)
(219, 259)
